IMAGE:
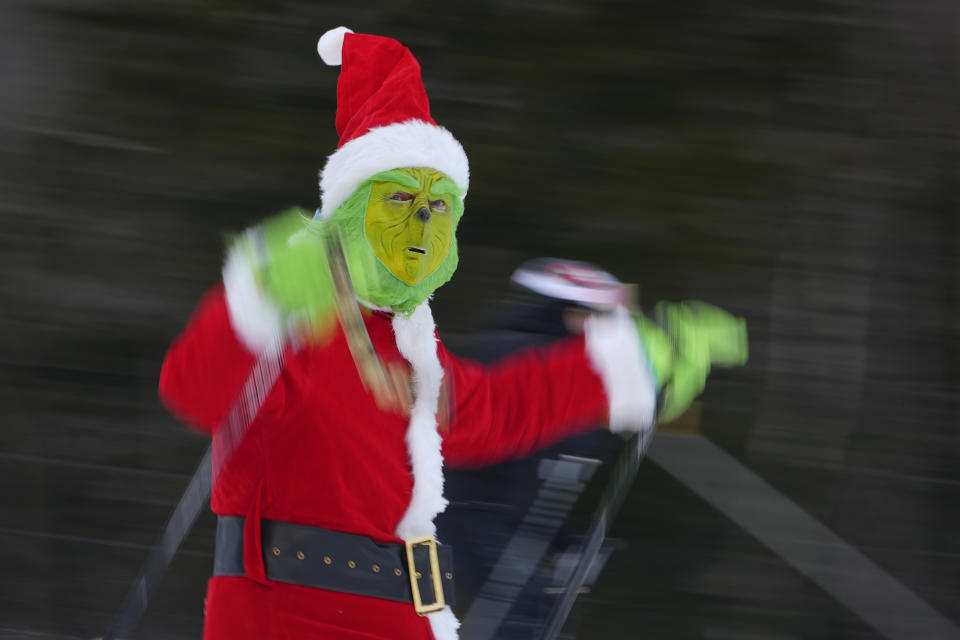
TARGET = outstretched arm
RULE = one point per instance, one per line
(538, 396)
(615, 374)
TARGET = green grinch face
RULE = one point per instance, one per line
(409, 221)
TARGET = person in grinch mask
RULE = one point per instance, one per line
(326, 506)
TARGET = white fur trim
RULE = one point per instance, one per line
(418, 344)
(444, 624)
(255, 320)
(617, 355)
(413, 143)
(330, 45)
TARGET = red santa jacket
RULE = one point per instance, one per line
(321, 453)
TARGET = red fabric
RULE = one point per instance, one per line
(210, 354)
(521, 404)
(253, 564)
(320, 453)
(379, 84)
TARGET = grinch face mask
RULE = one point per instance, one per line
(409, 221)
(359, 223)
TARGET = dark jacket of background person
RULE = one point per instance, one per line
(488, 504)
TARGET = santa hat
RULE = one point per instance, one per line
(383, 117)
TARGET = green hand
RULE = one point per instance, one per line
(291, 269)
(682, 344)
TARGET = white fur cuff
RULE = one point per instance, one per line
(617, 355)
(255, 320)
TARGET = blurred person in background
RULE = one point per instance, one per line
(326, 506)
(551, 300)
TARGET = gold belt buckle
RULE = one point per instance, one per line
(439, 603)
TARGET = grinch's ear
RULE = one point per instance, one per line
(330, 46)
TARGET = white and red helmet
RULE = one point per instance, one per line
(572, 280)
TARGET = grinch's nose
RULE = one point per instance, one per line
(423, 214)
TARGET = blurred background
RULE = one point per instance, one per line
(793, 162)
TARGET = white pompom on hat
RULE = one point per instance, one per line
(330, 45)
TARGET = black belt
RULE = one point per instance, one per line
(327, 559)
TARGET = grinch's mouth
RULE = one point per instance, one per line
(417, 250)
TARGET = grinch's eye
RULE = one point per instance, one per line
(438, 205)
(402, 196)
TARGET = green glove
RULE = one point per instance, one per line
(682, 344)
(289, 259)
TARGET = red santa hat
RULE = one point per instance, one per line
(383, 117)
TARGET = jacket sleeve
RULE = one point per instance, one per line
(206, 366)
(520, 404)
(539, 396)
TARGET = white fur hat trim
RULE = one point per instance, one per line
(413, 143)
